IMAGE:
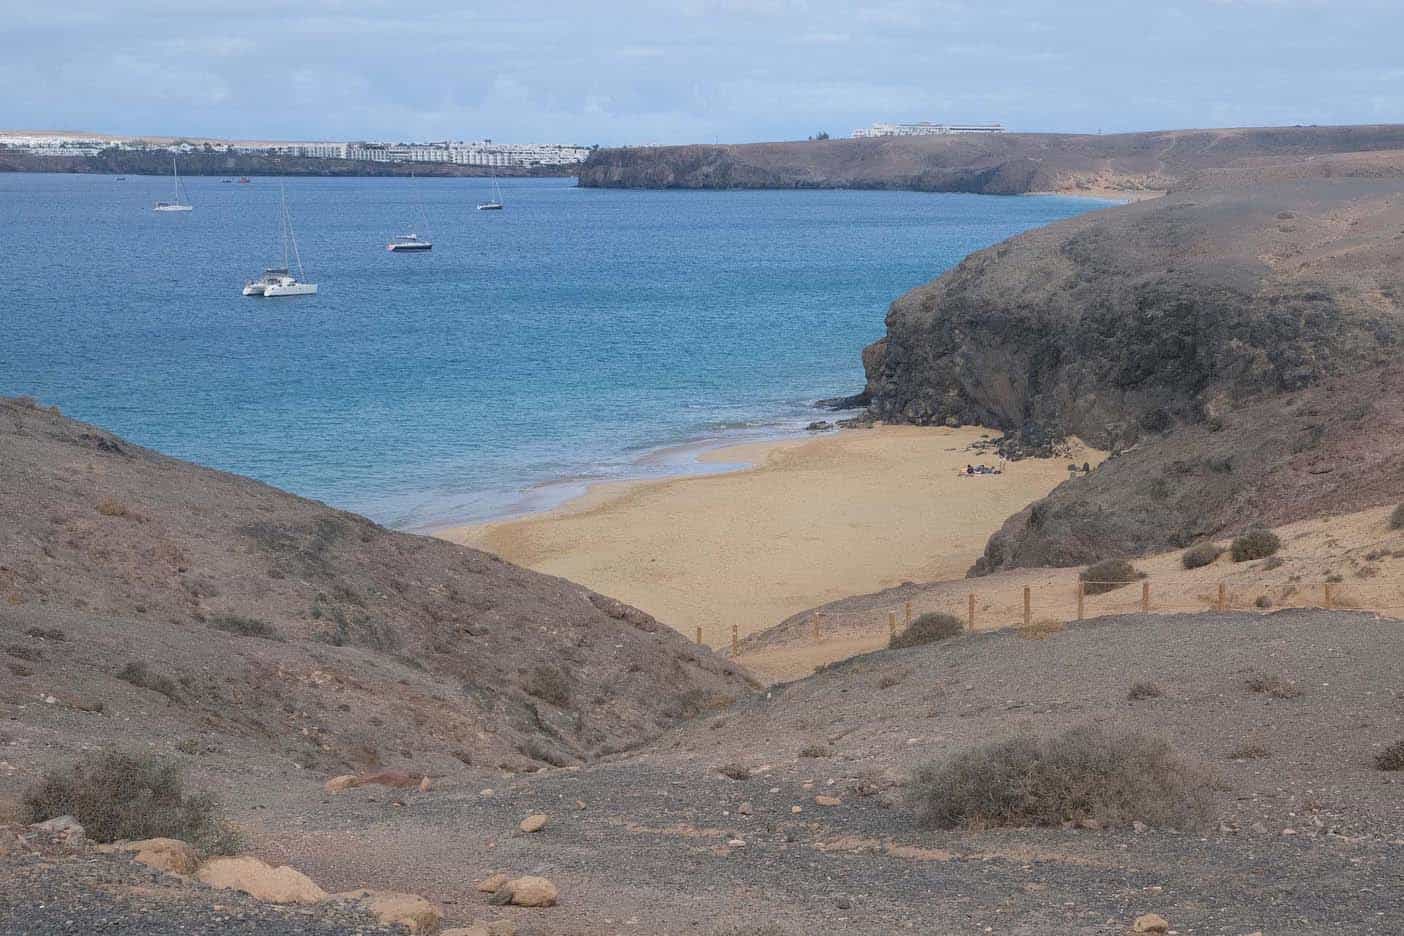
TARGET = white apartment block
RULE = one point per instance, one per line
(924, 129)
(480, 153)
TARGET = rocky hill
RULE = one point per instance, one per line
(999, 164)
(151, 602)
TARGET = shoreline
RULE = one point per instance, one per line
(811, 520)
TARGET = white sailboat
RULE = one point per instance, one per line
(412, 242)
(496, 203)
(280, 281)
(178, 204)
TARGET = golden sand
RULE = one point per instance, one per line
(813, 520)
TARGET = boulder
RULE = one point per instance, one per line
(165, 854)
(339, 784)
(65, 829)
(533, 823)
(1150, 923)
(492, 883)
(261, 881)
(411, 911)
(527, 892)
(822, 800)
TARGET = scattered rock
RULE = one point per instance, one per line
(796, 810)
(260, 881)
(533, 823)
(425, 785)
(1150, 923)
(527, 892)
(338, 784)
(411, 911)
(492, 883)
(64, 828)
(166, 854)
(744, 809)
(819, 425)
(823, 800)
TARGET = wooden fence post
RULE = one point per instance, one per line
(972, 611)
(1081, 596)
(1028, 606)
(735, 642)
(699, 633)
(892, 624)
(1145, 597)
(909, 614)
(1223, 597)
(1326, 589)
(816, 629)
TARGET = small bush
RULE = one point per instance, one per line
(1262, 601)
(1396, 519)
(735, 771)
(1041, 629)
(549, 684)
(928, 628)
(888, 680)
(1273, 686)
(816, 750)
(112, 508)
(1391, 758)
(245, 627)
(1085, 773)
(1273, 563)
(1201, 555)
(1249, 752)
(1144, 690)
(21, 652)
(47, 633)
(1255, 544)
(138, 675)
(117, 796)
(1108, 575)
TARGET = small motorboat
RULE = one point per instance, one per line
(409, 242)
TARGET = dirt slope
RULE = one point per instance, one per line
(276, 626)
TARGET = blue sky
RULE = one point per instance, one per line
(693, 70)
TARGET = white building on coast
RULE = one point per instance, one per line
(924, 129)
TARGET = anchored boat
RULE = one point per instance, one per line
(280, 281)
(178, 204)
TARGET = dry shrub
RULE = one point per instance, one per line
(1262, 601)
(21, 652)
(1273, 686)
(816, 750)
(1087, 773)
(549, 684)
(138, 675)
(113, 508)
(1255, 544)
(1144, 690)
(1041, 629)
(1249, 752)
(893, 678)
(118, 796)
(928, 628)
(1201, 555)
(47, 633)
(245, 626)
(1391, 758)
(1108, 575)
(1396, 519)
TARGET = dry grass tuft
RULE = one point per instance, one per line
(1201, 555)
(1249, 752)
(1144, 690)
(138, 675)
(816, 750)
(1274, 687)
(245, 626)
(1084, 774)
(1396, 519)
(735, 771)
(1041, 629)
(928, 628)
(117, 796)
(549, 684)
(1391, 758)
(115, 508)
(1255, 544)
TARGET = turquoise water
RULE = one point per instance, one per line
(569, 338)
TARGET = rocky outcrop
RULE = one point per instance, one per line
(1123, 324)
(281, 885)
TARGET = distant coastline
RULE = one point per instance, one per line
(223, 163)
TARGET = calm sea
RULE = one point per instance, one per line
(572, 337)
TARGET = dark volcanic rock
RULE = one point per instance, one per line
(1122, 324)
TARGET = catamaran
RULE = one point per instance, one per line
(496, 203)
(176, 205)
(280, 281)
(405, 243)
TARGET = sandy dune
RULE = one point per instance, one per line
(815, 520)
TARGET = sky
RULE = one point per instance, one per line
(618, 73)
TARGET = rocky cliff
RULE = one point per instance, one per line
(1001, 164)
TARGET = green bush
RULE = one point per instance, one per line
(1391, 758)
(549, 684)
(928, 628)
(117, 796)
(245, 626)
(1084, 774)
(1396, 519)
(1108, 575)
(1255, 544)
(1201, 555)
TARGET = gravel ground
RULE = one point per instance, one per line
(1311, 840)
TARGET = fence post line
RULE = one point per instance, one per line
(1145, 596)
(1223, 597)
(972, 611)
(1326, 589)
(735, 642)
(891, 624)
(699, 634)
(816, 628)
(909, 614)
(1028, 606)
(1081, 594)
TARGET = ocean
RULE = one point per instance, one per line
(579, 335)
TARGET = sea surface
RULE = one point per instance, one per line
(579, 335)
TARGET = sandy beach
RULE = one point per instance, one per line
(812, 520)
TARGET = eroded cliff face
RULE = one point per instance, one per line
(1129, 322)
